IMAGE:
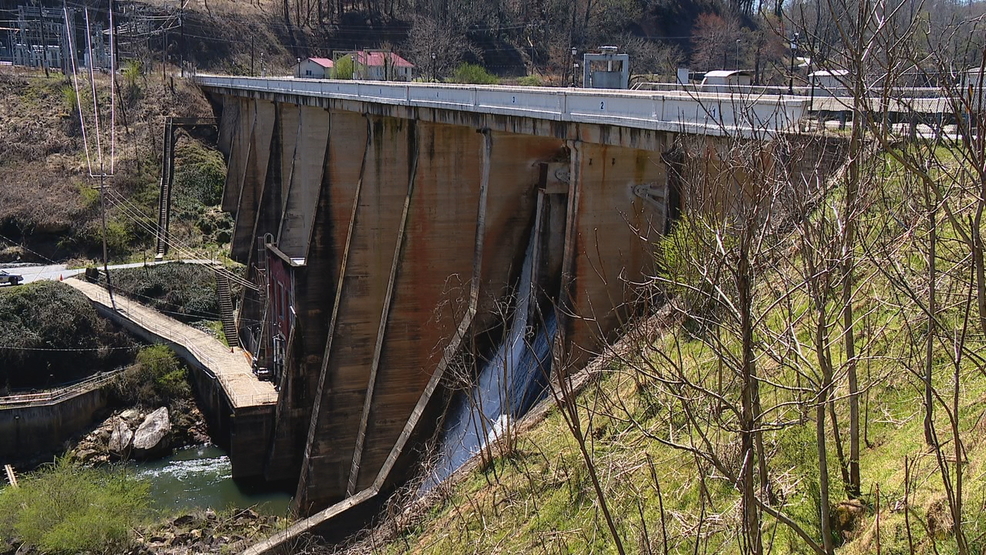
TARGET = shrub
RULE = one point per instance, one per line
(184, 291)
(89, 195)
(200, 174)
(474, 74)
(51, 315)
(530, 81)
(344, 68)
(155, 379)
(68, 509)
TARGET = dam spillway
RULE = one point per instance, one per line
(386, 232)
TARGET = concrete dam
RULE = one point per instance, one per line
(391, 230)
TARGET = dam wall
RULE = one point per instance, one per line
(385, 227)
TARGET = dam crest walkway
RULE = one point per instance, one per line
(230, 367)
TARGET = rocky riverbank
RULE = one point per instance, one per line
(138, 433)
(205, 532)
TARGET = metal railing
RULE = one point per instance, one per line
(53, 396)
(190, 339)
(674, 111)
(818, 90)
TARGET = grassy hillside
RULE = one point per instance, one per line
(651, 456)
(48, 200)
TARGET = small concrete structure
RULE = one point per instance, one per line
(828, 83)
(974, 87)
(40, 423)
(314, 68)
(606, 70)
(725, 80)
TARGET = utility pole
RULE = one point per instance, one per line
(575, 65)
(164, 58)
(102, 214)
(102, 170)
(794, 51)
(181, 25)
(44, 41)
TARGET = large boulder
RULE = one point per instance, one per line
(120, 438)
(153, 436)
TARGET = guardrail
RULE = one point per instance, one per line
(798, 90)
(53, 396)
(179, 334)
(674, 111)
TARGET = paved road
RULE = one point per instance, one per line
(61, 271)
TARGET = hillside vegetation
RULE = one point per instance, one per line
(785, 345)
(49, 203)
(50, 334)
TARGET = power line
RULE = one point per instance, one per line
(35, 253)
(133, 212)
(69, 349)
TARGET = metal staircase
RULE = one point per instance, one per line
(260, 348)
(226, 310)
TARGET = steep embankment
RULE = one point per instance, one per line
(50, 334)
(48, 200)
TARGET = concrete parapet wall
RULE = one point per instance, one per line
(43, 427)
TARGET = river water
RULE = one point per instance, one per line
(201, 477)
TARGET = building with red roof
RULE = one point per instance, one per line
(379, 65)
(314, 68)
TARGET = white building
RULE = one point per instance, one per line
(314, 68)
(829, 83)
(725, 80)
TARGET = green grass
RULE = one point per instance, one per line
(68, 509)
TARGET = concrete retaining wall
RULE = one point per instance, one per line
(33, 430)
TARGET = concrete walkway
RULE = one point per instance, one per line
(230, 366)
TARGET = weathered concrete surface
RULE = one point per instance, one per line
(307, 167)
(388, 229)
(41, 423)
(612, 223)
(399, 230)
(387, 165)
(254, 178)
(238, 127)
(442, 215)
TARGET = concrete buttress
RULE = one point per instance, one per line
(254, 179)
(387, 249)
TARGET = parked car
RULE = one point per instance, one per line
(13, 279)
